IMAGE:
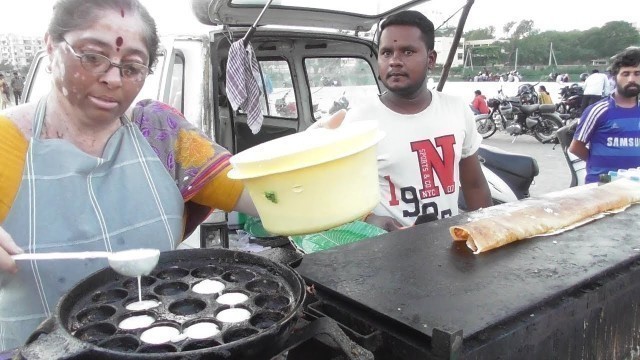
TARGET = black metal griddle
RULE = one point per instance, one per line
(419, 281)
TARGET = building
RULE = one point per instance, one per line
(442, 45)
(18, 50)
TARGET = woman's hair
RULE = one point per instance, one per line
(627, 57)
(543, 88)
(412, 18)
(70, 15)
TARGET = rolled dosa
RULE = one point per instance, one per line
(545, 214)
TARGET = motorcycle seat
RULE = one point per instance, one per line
(520, 165)
(528, 109)
(547, 108)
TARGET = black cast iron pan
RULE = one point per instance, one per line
(86, 321)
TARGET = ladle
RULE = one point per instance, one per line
(134, 262)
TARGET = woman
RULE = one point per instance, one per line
(76, 174)
(545, 98)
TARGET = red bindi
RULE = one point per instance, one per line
(119, 42)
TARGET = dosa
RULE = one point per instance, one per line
(545, 214)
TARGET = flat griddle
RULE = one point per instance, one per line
(420, 278)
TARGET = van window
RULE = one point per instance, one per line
(279, 98)
(41, 80)
(176, 87)
(339, 83)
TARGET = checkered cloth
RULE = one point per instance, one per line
(243, 83)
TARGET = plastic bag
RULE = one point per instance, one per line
(345, 234)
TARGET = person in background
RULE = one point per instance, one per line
(607, 133)
(128, 177)
(545, 97)
(430, 149)
(595, 88)
(4, 93)
(479, 104)
(17, 84)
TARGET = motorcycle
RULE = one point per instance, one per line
(509, 114)
(577, 166)
(509, 175)
(341, 103)
(527, 94)
(571, 101)
(286, 109)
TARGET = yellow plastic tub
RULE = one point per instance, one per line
(313, 180)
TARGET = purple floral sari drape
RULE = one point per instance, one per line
(190, 157)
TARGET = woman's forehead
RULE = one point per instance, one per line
(113, 30)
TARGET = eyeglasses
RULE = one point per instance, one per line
(100, 64)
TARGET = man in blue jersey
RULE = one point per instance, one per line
(608, 134)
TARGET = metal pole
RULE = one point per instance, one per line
(249, 34)
(454, 45)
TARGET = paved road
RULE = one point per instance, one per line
(554, 171)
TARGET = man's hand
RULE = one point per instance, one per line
(384, 222)
(7, 248)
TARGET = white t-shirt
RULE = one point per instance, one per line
(418, 159)
(596, 84)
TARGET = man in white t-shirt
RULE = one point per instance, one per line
(429, 151)
(596, 86)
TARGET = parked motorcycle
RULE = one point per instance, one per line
(509, 114)
(577, 166)
(286, 109)
(527, 94)
(508, 174)
(341, 103)
(570, 101)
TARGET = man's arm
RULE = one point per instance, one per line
(474, 185)
(579, 149)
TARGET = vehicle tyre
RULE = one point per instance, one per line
(546, 129)
(486, 126)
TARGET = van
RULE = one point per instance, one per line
(313, 62)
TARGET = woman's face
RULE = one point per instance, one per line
(100, 96)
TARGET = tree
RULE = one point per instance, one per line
(570, 47)
(6, 66)
(480, 34)
(615, 36)
(486, 55)
(448, 31)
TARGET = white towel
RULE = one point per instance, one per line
(243, 83)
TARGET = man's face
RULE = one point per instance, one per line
(403, 59)
(628, 81)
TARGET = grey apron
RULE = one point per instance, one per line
(71, 201)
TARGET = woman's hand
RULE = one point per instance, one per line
(384, 222)
(7, 248)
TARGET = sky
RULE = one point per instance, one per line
(174, 16)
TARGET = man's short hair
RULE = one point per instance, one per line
(627, 57)
(412, 18)
(595, 71)
(478, 92)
